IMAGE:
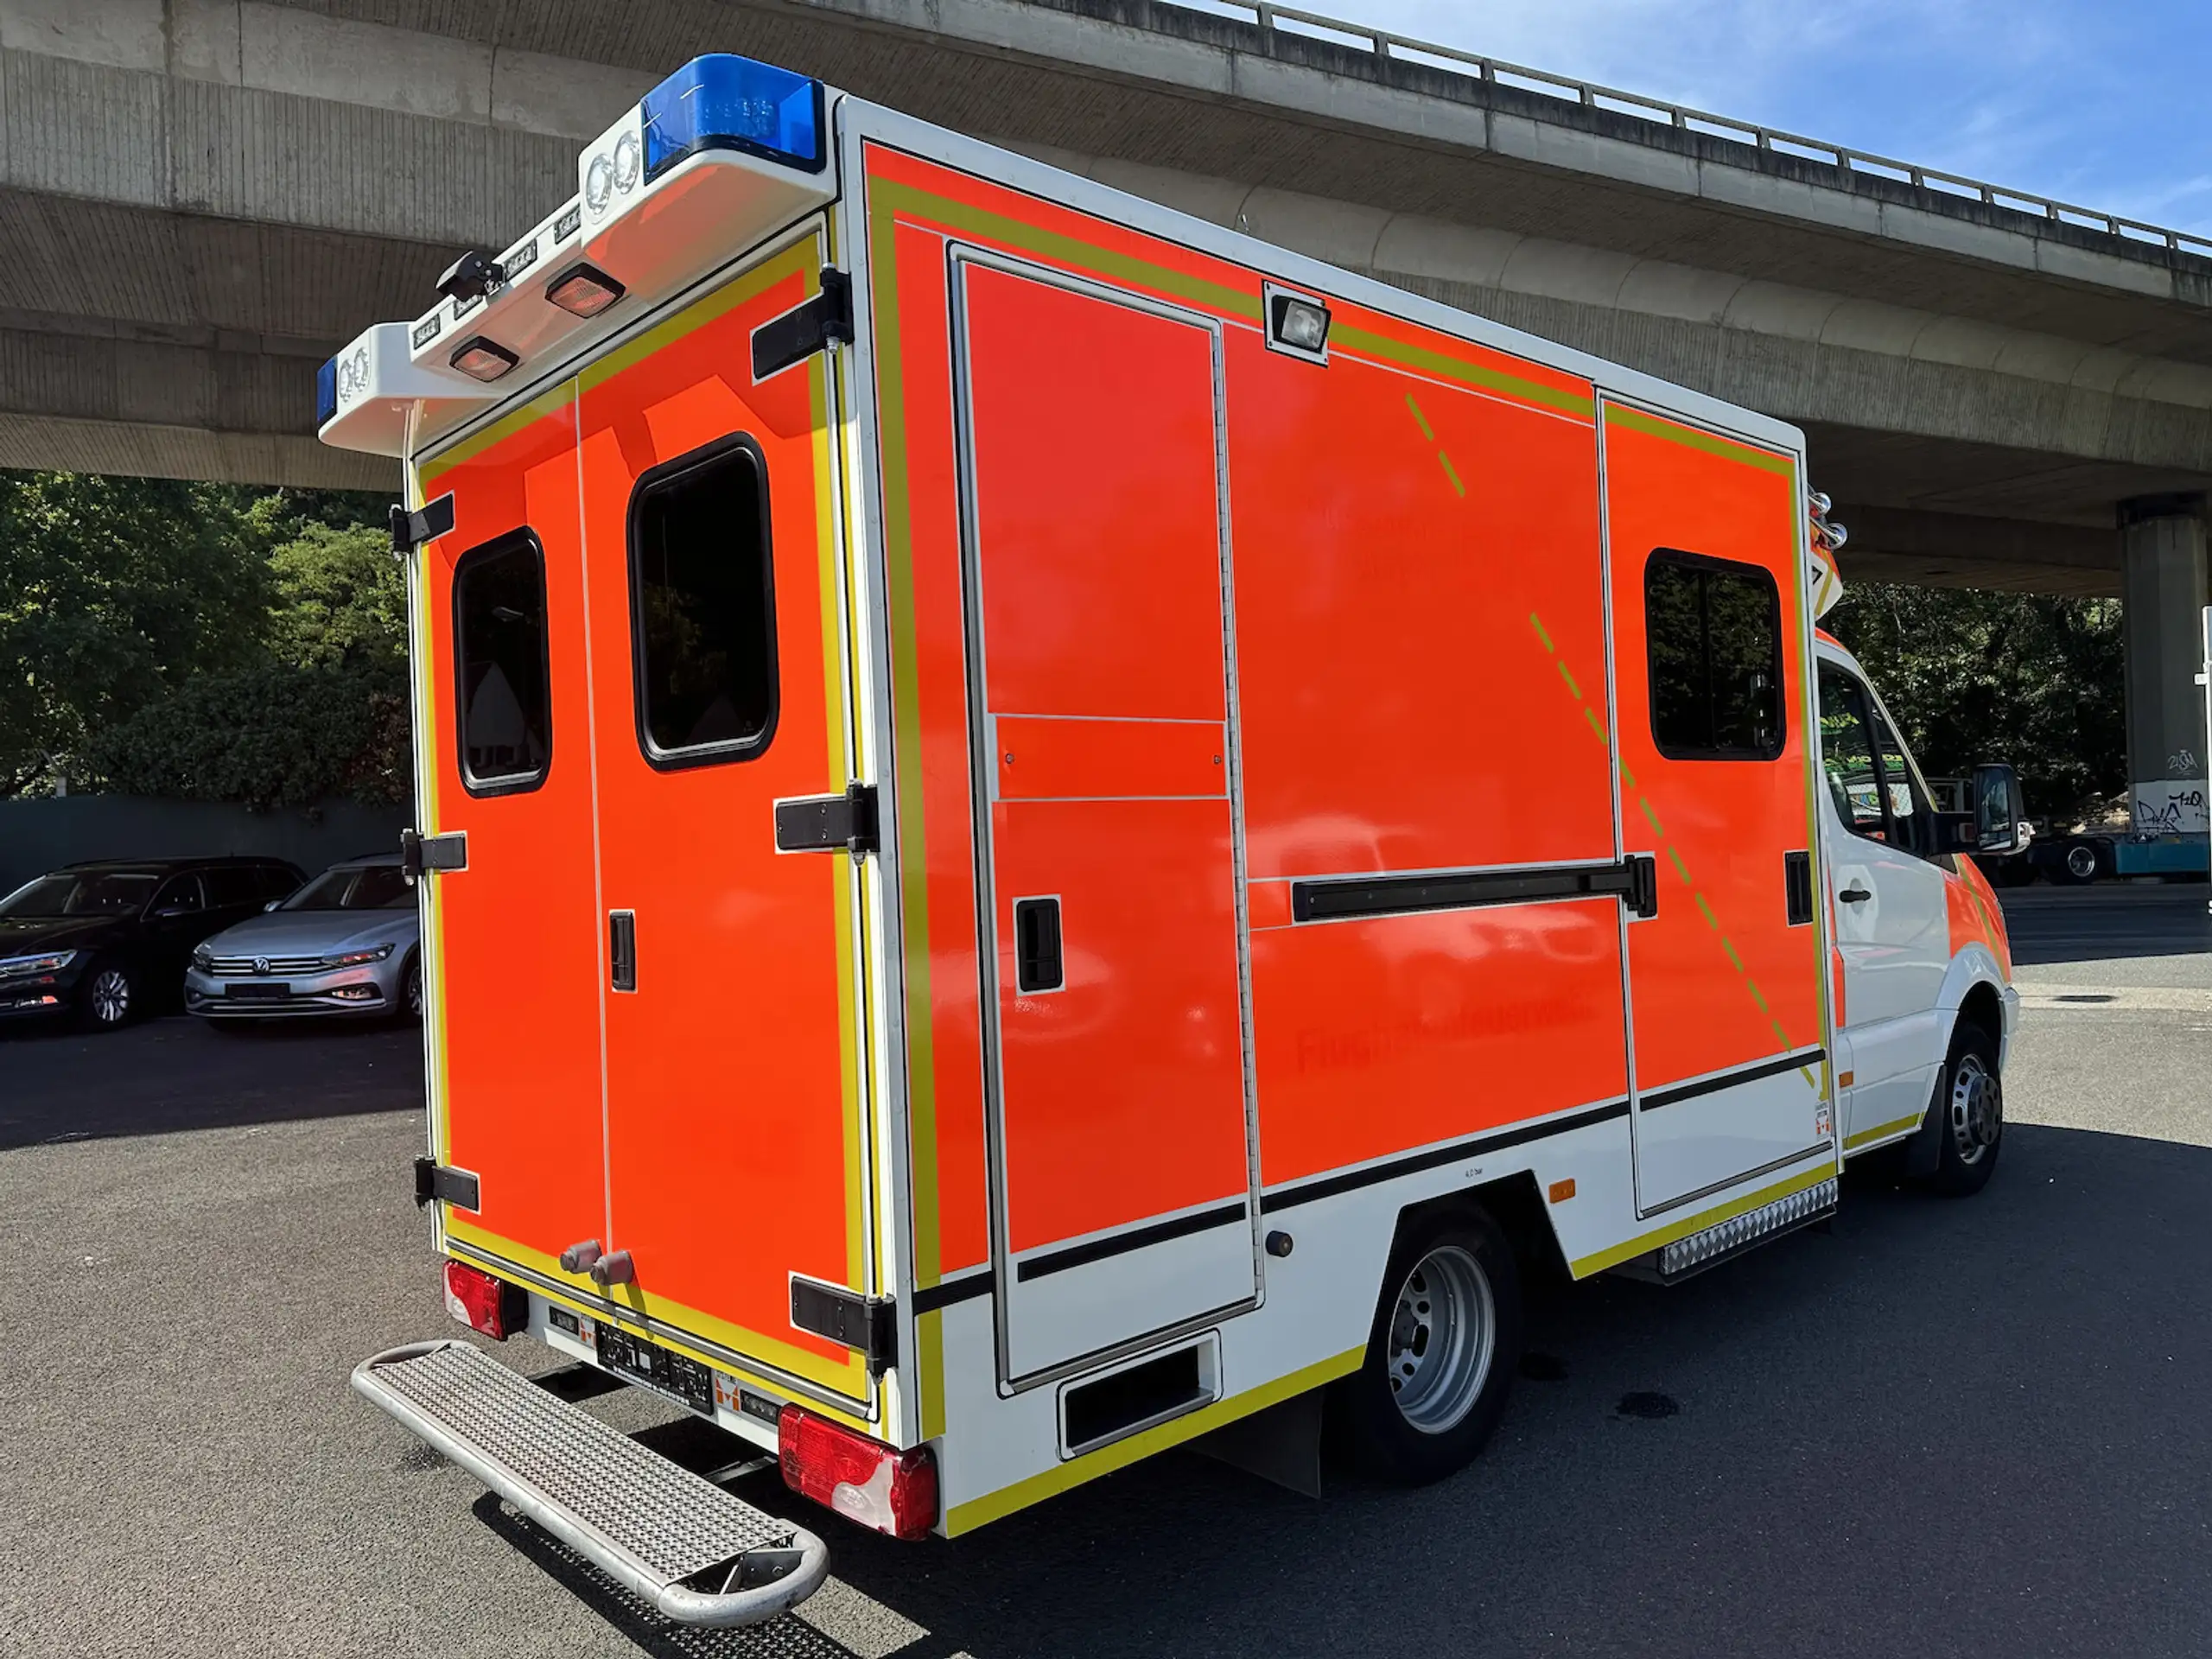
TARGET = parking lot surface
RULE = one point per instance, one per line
(1972, 1427)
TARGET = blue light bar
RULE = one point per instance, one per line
(725, 102)
(326, 393)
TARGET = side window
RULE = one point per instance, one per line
(179, 895)
(702, 607)
(501, 694)
(1847, 756)
(231, 887)
(1713, 635)
(275, 881)
(1909, 809)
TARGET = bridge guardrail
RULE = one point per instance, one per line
(1385, 44)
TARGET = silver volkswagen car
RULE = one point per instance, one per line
(348, 943)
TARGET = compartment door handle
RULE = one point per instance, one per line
(622, 949)
(1036, 965)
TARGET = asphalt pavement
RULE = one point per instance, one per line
(1975, 1427)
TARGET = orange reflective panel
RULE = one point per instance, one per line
(733, 1140)
(516, 941)
(1098, 575)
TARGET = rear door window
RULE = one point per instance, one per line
(504, 698)
(1712, 631)
(702, 607)
(178, 896)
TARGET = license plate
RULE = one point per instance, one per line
(635, 1360)
(259, 991)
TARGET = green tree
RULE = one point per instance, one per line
(341, 598)
(115, 592)
(2030, 678)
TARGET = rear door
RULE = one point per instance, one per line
(503, 758)
(1716, 777)
(1114, 981)
(734, 1143)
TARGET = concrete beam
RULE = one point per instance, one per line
(1951, 549)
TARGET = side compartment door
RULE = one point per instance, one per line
(1114, 973)
(736, 1155)
(503, 756)
(1712, 658)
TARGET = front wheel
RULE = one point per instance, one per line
(1442, 1354)
(110, 997)
(1969, 1104)
(411, 990)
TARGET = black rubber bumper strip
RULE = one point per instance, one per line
(1329, 1185)
(1653, 1102)
(946, 1291)
(1136, 1239)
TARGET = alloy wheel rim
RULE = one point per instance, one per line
(1977, 1109)
(1443, 1338)
(415, 989)
(110, 996)
(2081, 861)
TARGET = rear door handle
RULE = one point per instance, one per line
(1854, 895)
(622, 949)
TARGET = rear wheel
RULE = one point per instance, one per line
(1970, 1105)
(1442, 1353)
(2080, 862)
(109, 998)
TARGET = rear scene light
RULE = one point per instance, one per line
(583, 290)
(483, 1303)
(891, 1490)
(482, 359)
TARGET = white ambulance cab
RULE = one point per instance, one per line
(1043, 829)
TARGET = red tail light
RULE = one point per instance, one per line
(485, 1304)
(892, 1491)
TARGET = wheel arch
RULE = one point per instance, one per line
(1517, 1205)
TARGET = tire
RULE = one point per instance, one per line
(1970, 1105)
(2080, 862)
(109, 998)
(410, 991)
(1442, 1353)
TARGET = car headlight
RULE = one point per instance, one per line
(46, 962)
(357, 959)
(203, 958)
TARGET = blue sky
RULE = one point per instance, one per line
(2108, 105)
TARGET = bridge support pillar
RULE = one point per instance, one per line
(2163, 596)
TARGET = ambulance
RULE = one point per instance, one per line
(1044, 830)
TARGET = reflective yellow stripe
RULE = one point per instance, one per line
(1697, 1223)
(1882, 1132)
(966, 1518)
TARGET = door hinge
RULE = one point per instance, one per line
(806, 328)
(829, 824)
(447, 1186)
(866, 1324)
(419, 854)
(1642, 893)
(411, 529)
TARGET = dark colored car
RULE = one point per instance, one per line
(105, 940)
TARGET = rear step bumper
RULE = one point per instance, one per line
(696, 1553)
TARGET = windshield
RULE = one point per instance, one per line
(355, 887)
(108, 893)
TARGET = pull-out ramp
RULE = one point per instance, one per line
(694, 1552)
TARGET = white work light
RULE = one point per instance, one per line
(1297, 324)
(482, 359)
(583, 290)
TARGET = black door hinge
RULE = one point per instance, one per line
(419, 853)
(1641, 895)
(829, 824)
(411, 529)
(447, 1186)
(806, 328)
(866, 1324)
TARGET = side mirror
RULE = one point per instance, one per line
(271, 905)
(1998, 810)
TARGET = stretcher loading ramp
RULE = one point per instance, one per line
(696, 1553)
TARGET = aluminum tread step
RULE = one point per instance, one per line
(697, 1553)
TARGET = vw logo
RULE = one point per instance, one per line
(261, 964)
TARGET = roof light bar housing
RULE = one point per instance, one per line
(721, 101)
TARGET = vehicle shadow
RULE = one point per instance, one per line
(163, 1075)
(1958, 1427)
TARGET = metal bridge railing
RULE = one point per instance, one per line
(1383, 44)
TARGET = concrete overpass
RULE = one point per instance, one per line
(198, 199)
